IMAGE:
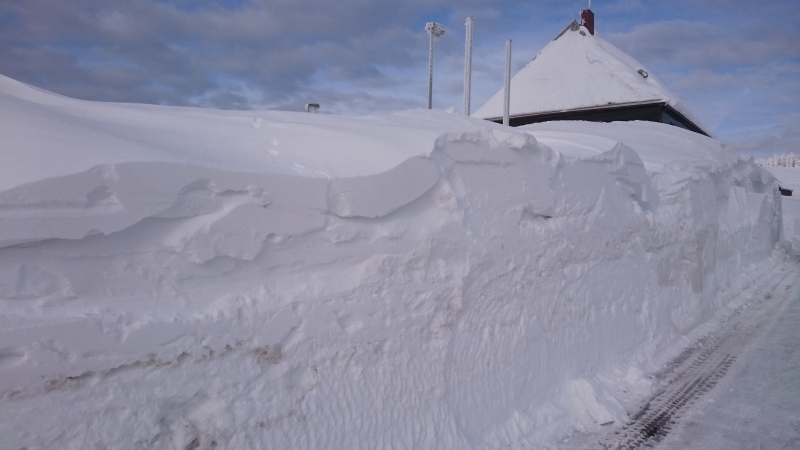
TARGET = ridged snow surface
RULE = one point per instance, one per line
(193, 279)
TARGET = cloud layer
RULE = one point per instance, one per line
(735, 63)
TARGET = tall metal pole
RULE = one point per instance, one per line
(468, 66)
(507, 99)
(430, 70)
(435, 30)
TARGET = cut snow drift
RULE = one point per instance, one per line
(186, 278)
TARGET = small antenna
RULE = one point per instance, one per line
(590, 4)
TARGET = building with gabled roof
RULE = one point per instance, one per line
(580, 76)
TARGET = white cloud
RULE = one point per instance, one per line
(703, 45)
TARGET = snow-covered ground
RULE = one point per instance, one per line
(758, 407)
(735, 388)
(189, 278)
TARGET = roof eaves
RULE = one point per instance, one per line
(588, 109)
(693, 126)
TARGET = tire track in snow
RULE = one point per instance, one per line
(702, 366)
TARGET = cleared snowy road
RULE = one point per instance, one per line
(759, 407)
(736, 389)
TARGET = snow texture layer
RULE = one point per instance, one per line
(580, 70)
(192, 279)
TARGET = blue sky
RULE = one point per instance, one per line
(735, 63)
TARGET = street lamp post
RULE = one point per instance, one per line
(435, 31)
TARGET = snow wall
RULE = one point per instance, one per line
(789, 178)
(193, 279)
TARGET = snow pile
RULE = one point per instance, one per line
(580, 70)
(789, 178)
(192, 279)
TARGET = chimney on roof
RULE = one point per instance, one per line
(587, 19)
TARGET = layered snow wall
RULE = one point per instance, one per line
(789, 178)
(422, 280)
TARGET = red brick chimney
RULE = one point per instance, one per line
(587, 20)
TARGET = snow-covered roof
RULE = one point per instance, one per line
(579, 70)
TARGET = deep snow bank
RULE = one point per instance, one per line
(789, 178)
(182, 278)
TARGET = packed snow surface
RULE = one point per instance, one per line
(580, 70)
(757, 407)
(188, 278)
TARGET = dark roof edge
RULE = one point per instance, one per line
(552, 115)
(693, 126)
(585, 109)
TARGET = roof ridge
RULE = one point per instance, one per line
(572, 26)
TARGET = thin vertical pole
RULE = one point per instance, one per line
(434, 31)
(507, 100)
(468, 66)
(430, 70)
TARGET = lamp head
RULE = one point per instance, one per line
(435, 29)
